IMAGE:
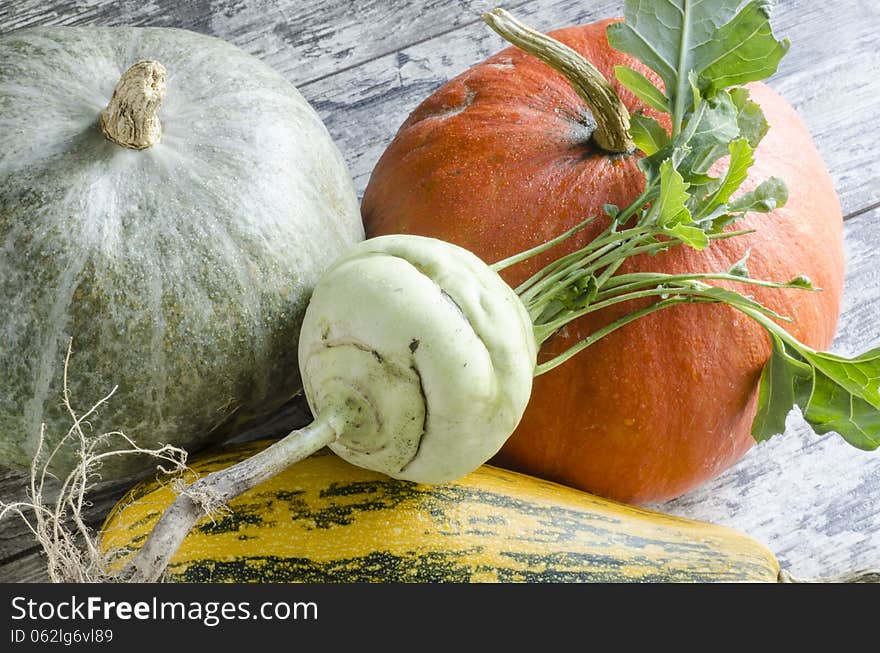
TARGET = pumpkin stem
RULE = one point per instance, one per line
(612, 117)
(132, 117)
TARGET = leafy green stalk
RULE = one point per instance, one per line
(703, 52)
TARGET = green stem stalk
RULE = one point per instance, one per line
(601, 333)
(671, 296)
(529, 253)
(548, 279)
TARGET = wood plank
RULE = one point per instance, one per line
(27, 569)
(824, 508)
(829, 76)
(302, 40)
(363, 106)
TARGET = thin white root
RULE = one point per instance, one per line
(216, 489)
(69, 544)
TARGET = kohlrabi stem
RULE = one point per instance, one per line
(612, 117)
(772, 327)
(219, 487)
(132, 117)
(658, 246)
(529, 253)
(690, 290)
(609, 239)
(560, 278)
(639, 279)
(601, 264)
(604, 331)
(550, 276)
(545, 287)
(630, 210)
(547, 329)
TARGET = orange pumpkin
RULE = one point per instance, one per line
(499, 160)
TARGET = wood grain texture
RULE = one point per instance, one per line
(28, 569)
(302, 40)
(813, 500)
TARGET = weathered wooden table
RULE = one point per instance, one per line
(365, 65)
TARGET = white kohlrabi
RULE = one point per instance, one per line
(432, 345)
(417, 361)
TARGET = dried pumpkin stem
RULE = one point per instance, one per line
(612, 117)
(132, 117)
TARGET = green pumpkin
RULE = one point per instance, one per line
(181, 270)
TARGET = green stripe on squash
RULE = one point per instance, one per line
(325, 520)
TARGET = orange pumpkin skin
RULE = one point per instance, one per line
(497, 161)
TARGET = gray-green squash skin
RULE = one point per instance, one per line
(181, 271)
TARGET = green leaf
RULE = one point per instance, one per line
(752, 123)
(845, 397)
(642, 88)
(688, 235)
(741, 160)
(740, 268)
(832, 409)
(671, 211)
(576, 294)
(801, 281)
(859, 376)
(784, 381)
(744, 50)
(671, 204)
(648, 135)
(835, 394)
(699, 48)
(665, 35)
(721, 47)
(769, 195)
(695, 89)
(737, 172)
(650, 165)
(611, 210)
(715, 220)
(709, 132)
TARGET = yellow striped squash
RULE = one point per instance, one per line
(324, 520)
